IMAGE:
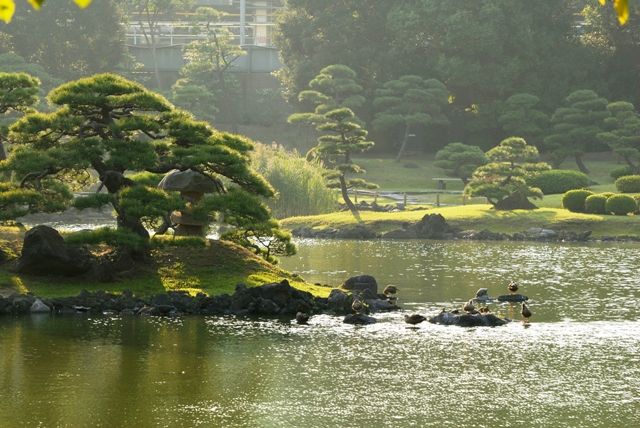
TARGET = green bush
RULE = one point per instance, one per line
(573, 200)
(628, 184)
(621, 205)
(637, 199)
(621, 171)
(557, 181)
(595, 204)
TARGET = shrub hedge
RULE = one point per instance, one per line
(621, 205)
(637, 199)
(595, 204)
(628, 184)
(557, 181)
(621, 171)
(573, 200)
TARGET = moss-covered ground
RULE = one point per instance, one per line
(215, 268)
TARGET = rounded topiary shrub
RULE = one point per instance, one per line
(621, 171)
(621, 205)
(573, 200)
(595, 204)
(628, 184)
(557, 181)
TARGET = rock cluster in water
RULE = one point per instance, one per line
(277, 298)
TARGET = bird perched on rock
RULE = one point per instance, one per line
(468, 307)
(390, 290)
(414, 319)
(302, 318)
(356, 306)
(526, 313)
(513, 287)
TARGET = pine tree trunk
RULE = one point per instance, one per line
(627, 159)
(404, 144)
(580, 164)
(345, 196)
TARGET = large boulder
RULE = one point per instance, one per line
(434, 226)
(361, 283)
(359, 319)
(468, 320)
(44, 252)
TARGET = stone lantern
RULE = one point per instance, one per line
(192, 185)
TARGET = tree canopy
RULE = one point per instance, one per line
(110, 125)
(69, 43)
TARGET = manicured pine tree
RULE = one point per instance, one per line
(624, 134)
(502, 180)
(410, 102)
(576, 127)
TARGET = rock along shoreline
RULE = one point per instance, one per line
(434, 226)
(272, 299)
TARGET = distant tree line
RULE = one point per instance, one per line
(484, 52)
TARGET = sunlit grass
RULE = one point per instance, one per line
(479, 217)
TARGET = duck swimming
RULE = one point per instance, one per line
(526, 313)
(513, 287)
(414, 319)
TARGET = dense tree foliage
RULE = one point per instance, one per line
(8, 7)
(410, 101)
(110, 125)
(522, 119)
(312, 34)
(12, 63)
(68, 42)
(502, 181)
(619, 49)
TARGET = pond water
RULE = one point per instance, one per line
(576, 365)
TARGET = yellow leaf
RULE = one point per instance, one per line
(36, 3)
(7, 7)
(82, 3)
(622, 7)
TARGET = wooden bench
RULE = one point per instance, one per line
(441, 182)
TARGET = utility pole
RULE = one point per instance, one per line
(242, 21)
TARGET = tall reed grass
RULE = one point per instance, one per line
(299, 183)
